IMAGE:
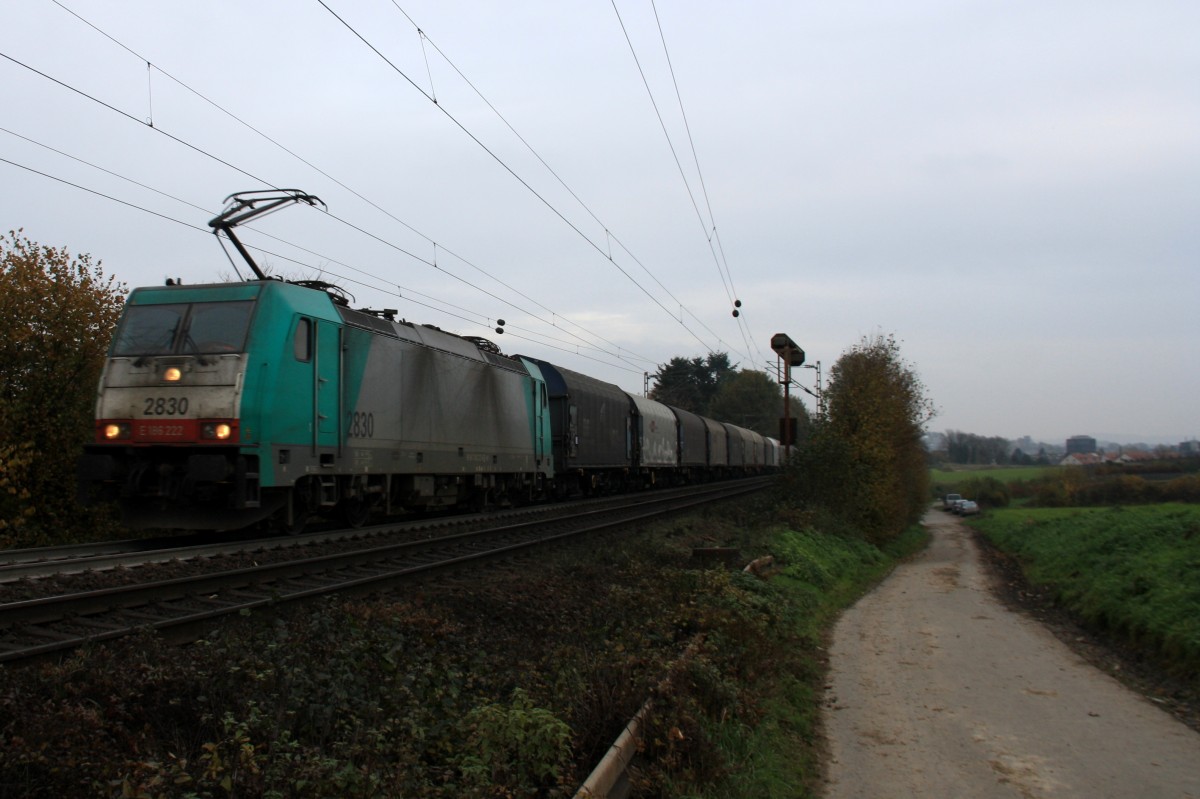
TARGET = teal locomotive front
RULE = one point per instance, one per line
(224, 405)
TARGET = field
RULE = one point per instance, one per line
(949, 478)
(1131, 572)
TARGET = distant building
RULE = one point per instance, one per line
(1080, 444)
(1080, 459)
(1189, 447)
(1128, 456)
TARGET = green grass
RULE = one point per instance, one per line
(948, 478)
(416, 693)
(822, 575)
(1131, 571)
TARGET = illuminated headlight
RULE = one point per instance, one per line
(172, 374)
(216, 431)
(115, 431)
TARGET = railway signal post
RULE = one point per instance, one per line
(790, 354)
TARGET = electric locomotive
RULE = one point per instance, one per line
(224, 405)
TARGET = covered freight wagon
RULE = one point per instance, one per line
(718, 446)
(693, 443)
(741, 447)
(590, 423)
(656, 439)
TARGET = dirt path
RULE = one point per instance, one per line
(937, 690)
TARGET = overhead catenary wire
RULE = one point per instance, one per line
(352, 191)
(561, 345)
(177, 139)
(102, 194)
(705, 226)
(105, 171)
(558, 344)
(727, 276)
(440, 306)
(491, 153)
(609, 235)
(137, 121)
(622, 353)
(458, 278)
(700, 176)
(534, 337)
(663, 125)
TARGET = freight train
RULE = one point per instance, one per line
(222, 406)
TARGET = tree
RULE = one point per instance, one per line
(865, 461)
(754, 400)
(970, 448)
(691, 384)
(674, 385)
(57, 314)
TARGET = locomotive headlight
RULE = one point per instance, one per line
(172, 374)
(218, 431)
(115, 431)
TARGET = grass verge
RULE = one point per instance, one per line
(776, 753)
(502, 682)
(1129, 572)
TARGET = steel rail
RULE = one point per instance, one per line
(73, 559)
(67, 553)
(67, 621)
(18, 564)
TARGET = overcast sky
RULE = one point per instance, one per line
(1012, 189)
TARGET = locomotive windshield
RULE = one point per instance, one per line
(183, 328)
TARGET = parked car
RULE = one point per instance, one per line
(949, 500)
(967, 507)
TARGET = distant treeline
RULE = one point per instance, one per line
(1104, 486)
(968, 448)
(1146, 483)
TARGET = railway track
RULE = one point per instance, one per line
(77, 558)
(182, 607)
(73, 559)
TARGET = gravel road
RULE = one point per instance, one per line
(937, 690)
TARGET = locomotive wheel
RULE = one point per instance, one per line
(355, 512)
(480, 502)
(355, 507)
(301, 508)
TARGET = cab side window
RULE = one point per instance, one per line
(302, 343)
